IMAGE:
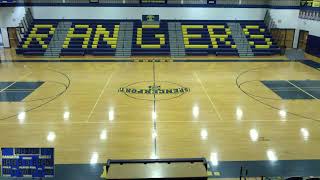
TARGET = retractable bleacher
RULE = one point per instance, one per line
(98, 39)
(260, 39)
(36, 40)
(208, 38)
(150, 39)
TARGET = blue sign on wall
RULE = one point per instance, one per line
(28, 162)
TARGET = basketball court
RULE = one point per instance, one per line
(219, 110)
(160, 89)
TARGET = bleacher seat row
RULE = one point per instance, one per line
(260, 39)
(92, 39)
(37, 39)
(101, 38)
(208, 39)
(150, 39)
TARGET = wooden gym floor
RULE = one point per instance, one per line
(81, 111)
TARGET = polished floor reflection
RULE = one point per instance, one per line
(222, 111)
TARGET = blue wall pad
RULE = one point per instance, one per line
(17, 91)
(313, 45)
(291, 90)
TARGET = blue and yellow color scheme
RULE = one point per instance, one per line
(28, 162)
(37, 39)
(310, 3)
(150, 39)
(205, 39)
(91, 39)
(17, 91)
(151, 18)
(260, 40)
(101, 38)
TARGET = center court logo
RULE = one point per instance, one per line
(149, 90)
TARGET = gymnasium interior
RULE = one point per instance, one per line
(160, 89)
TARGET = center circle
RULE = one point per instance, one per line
(154, 90)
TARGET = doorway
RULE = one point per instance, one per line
(284, 37)
(303, 39)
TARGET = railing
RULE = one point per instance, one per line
(24, 25)
(275, 31)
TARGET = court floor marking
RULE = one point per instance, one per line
(126, 122)
(102, 91)
(154, 115)
(302, 90)
(205, 91)
(15, 81)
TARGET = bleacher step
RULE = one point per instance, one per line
(176, 40)
(55, 45)
(241, 41)
(124, 41)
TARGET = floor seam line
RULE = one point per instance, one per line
(205, 91)
(103, 89)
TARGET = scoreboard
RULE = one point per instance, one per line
(28, 162)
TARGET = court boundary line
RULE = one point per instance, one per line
(126, 61)
(47, 102)
(263, 102)
(99, 97)
(141, 122)
(302, 90)
(205, 91)
(306, 62)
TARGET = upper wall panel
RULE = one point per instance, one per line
(136, 13)
(160, 3)
(11, 16)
